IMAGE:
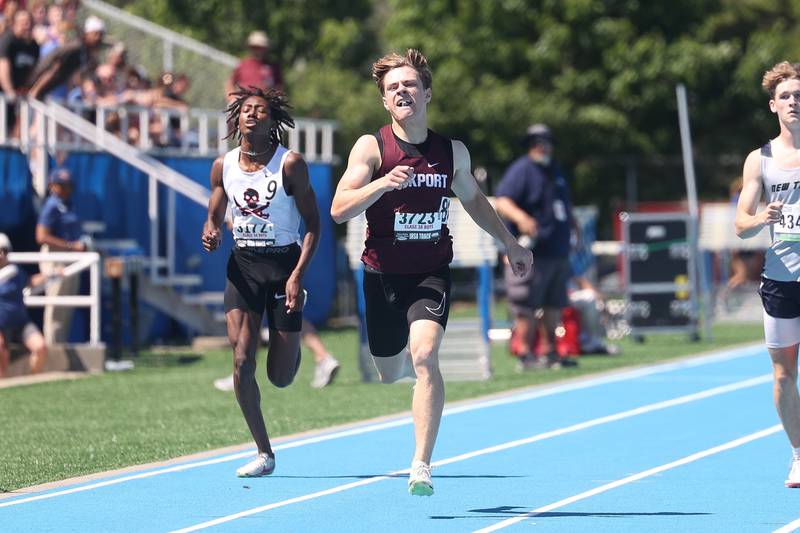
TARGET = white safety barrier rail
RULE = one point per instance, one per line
(76, 262)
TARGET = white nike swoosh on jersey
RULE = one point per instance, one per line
(280, 296)
(439, 311)
(433, 165)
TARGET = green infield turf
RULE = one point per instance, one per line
(167, 406)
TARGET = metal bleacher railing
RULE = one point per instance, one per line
(192, 132)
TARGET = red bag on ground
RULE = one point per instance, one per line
(567, 338)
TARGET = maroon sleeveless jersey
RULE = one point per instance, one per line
(407, 229)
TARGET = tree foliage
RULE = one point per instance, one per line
(602, 73)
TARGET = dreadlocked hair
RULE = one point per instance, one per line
(278, 105)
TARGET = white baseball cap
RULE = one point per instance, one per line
(94, 24)
(258, 39)
(5, 242)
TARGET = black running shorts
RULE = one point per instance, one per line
(394, 301)
(781, 299)
(257, 283)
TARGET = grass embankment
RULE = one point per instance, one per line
(167, 406)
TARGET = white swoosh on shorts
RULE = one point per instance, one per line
(439, 311)
(283, 297)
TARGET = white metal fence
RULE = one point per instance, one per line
(192, 132)
(76, 262)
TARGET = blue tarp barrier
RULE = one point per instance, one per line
(115, 193)
(17, 211)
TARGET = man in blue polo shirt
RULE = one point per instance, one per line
(15, 324)
(534, 200)
(59, 230)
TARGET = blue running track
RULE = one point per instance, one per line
(692, 445)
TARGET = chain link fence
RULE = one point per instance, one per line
(155, 50)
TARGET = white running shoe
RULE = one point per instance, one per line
(262, 465)
(224, 384)
(118, 366)
(325, 372)
(793, 481)
(419, 480)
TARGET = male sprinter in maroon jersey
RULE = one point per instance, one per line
(402, 177)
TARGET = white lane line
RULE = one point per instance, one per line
(722, 356)
(143, 475)
(636, 477)
(791, 526)
(208, 462)
(283, 503)
(766, 378)
(624, 375)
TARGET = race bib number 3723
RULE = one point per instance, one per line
(421, 227)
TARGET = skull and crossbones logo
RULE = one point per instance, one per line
(251, 206)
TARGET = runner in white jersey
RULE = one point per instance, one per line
(775, 170)
(268, 192)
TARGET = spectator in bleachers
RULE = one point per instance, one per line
(38, 12)
(55, 15)
(71, 8)
(161, 134)
(114, 124)
(157, 132)
(84, 93)
(9, 9)
(137, 91)
(534, 199)
(106, 82)
(135, 80)
(59, 230)
(116, 63)
(18, 56)
(167, 96)
(256, 70)
(173, 96)
(15, 324)
(56, 33)
(62, 64)
(176, 91)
